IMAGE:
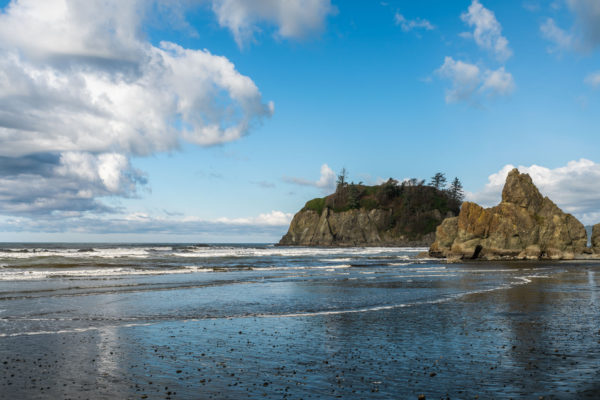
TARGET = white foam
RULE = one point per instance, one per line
(110, 252)
(19, 275)
(74, 330)
(302, 267)
(344, 254)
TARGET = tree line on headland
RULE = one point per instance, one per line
(350, 195)
(417, 207)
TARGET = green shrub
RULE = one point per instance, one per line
(316, 205)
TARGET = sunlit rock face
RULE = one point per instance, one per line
(596, 239)
(525, 225)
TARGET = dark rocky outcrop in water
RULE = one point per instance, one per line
(390, 214)
(525, 225)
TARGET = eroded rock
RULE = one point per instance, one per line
(525, 225)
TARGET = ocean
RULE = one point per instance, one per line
(256, 320)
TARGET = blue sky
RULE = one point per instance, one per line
(216, 120)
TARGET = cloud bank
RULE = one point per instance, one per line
(573, 187)
(273, 224)
(81, 90)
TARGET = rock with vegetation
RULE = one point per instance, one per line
(525, 225)
(390, 214)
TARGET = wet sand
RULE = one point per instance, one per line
(538, 339)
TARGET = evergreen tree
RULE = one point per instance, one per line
(353, 196)
(438, 181)
(342, 178)
(456, 190)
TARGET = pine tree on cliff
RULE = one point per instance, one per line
(342, 178)
(438, 181)
(456, 191)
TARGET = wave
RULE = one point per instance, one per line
(205, 252)
(21, 275)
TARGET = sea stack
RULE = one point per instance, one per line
(525, 225)
(390, 214)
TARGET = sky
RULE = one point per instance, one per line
(216, 120)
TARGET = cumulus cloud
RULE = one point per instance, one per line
(81, 90)
(326, 181)
(487, 30)
(408, 25)
(468, 81)
(465, 79)
(573, 187)
(498, 82)
(69, 182)
(293, 18)
(593, 79)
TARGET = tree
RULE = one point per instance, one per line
(456, 191)
(411, 182)
(438, 181)
(353, 197)
(342, 178)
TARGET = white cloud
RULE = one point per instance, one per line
(408, 25)
(498, 82)
(562, 40)
(464, 77)
(573, 187)
(68, 182)
(80, 84)
(274, 218)
(326, 181)
(293, 18)
(469, 81)
(488, 31)
(593, 79)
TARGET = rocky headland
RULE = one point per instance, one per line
(390, 214)
(525, 225)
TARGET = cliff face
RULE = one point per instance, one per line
(349, 228)
(525, 225)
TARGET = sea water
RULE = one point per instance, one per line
(38, 283)
(248, 320)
